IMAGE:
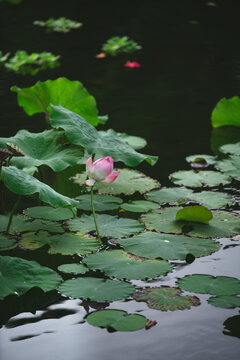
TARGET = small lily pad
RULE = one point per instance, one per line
(47, 212)
(225, 301)
(73, 269)
(230, 166)
(7, 243)
(233, 149)
(195, 213)
(170, 195)
(194, 179)
(166, 298)
(201, 160)
(208, 284)
(117, 319)
(123, 265)
(139, 206)
(109, 226)
(101, 202)
(96, 289)
(65, 244)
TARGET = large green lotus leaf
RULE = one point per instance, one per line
(96, 289)
(45, 148)
(117, 319)
(108, 225)
(233, 149)
(49, 213)
(123, 265)
(65, 244)
(135, 142)
(81, 133)
(230, 166)
(223, 224)
(201, 160)
(22, 183)
(208, 284)
(227, 112)
(101, 202)
(22, 224)
(195, 213)
(17, 276)
(70, 94)
(194, 179)
(73, 269)
(210, 199)
(139, 206)
(166, 298)
(7, 243)
(168, 247)
(225, 301)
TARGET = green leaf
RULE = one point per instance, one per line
(61, 24)
(166, 298)
(230, 166)
(168, 247)
(208, 284)
(96, 289)
(22, 183)
(7, 243)
(45, 148)
(212, 199)
(101, 202)
(47, 212)
(123, 265)
(70, 94)
(233, 149)
(193, 179)
(225, 301)
(110, 226)
(223, 224)
(65, 244)
(73, 269)
(195, 213)
(201, 160)
(17, 276)
(116, 45)
(22, 224)
(117, 319)
(227, 112)
(135, 142)
(139, 206)
(79, 132)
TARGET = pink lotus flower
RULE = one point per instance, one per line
(132, 64)
(101, 171)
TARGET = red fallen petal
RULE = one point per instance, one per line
(101, 55)
(132, 64)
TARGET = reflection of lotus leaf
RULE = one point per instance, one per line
(166, 298)
(7, 243)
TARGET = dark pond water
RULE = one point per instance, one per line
(189, 60)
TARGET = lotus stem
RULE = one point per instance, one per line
(12, 213)
(94, 215)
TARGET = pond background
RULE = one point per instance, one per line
(186, 68)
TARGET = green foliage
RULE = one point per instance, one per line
(135, 142)
(60, 25)
(17, 276)
(24, 63)
(195, 213)
(116, 45)
(117, 319)
(227, 112)
(201, 160)
(101, 202)
(194, 179)
(7, 242)
(49, 213)
(3, 58)
(225, 301)
(73, 269)
(70, 94)
(139, 206)
(233, 149)
(230, 166)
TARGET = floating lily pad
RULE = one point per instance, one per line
(213, 199)
(223, 224)
(65, 244)
(226, 112)
(123, 265)
(101, 202)
(201, 160)
(73, 269)
(110, 226)
(230, 166)
(7, 243)
(139, 206)
(166, 298)
(208, 284)
(22, 224)
(135, 142)
(233, 149)
(117, 319)
(168, 247)
(47, 212)
(194, 179)
(81, 133)
(17, 276)
(96, 289)
(195, 213)
(225, 301)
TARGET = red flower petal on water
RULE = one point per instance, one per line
(132, 64)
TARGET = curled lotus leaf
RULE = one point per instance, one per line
(195, 213)
(196, 179)
(166, 298)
